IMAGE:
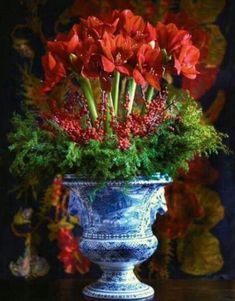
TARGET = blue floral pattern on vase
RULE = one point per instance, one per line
(116, 220)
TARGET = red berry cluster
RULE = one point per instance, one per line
(73, 118)
(138, 124)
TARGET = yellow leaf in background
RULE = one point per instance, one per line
(216, 47)
(32, 240)
(74, 220)
(19, 219)
(211, 203)
(32, 90)
(199, 253)
(216, 107)
(55, 227)
(205, 11)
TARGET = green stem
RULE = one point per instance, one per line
(115, 91)
(148, 97)
(149, 93)
(88, 93)
(131, 90)
(122, 94)
(108, 114)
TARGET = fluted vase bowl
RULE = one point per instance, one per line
(116, 219)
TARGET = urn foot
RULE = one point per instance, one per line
(118, 283)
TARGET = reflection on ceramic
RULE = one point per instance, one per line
(117, 235)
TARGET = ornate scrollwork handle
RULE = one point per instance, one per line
(158, 203)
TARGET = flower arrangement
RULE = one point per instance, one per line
(105, 109)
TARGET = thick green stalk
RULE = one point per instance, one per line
(122, 98)
(110, 100)
(88, 93)
(148, 97)
(131, 90)
(108, 114)
(115, 91)
(149, 93)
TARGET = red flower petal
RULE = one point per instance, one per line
(153, 80)
(138, 77)
(107, 64)
(126, 70)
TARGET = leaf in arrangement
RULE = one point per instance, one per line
(199, 253)
(211, 203)
(216, 107)
(205, 11)
(216, 46)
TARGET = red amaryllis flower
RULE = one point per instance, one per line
(93, 68)
(186, 60)
(65, 44)
(135, 27)
(200, 36)
(149, 66)
(54, 71)
(169, 37)
(117, 51)
(97, 26)
(133, 23)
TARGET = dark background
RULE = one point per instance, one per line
(12, 13)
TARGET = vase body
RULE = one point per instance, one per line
(116, 221)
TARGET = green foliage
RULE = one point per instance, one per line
(176, 141)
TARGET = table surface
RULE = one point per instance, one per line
(71, 290)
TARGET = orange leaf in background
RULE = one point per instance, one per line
(202, 82)
(182, 203)
(216, 107)
(96, 7)
(183, 209)
(205, 11)
(200, 172)
(70, 255)
(171, 227)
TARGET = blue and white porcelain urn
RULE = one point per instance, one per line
(116, 220)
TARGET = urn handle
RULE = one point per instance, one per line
(158, 203)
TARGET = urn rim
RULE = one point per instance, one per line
(157, 178)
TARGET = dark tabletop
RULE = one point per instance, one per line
(71, 290)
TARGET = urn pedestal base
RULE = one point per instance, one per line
(118, 283)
